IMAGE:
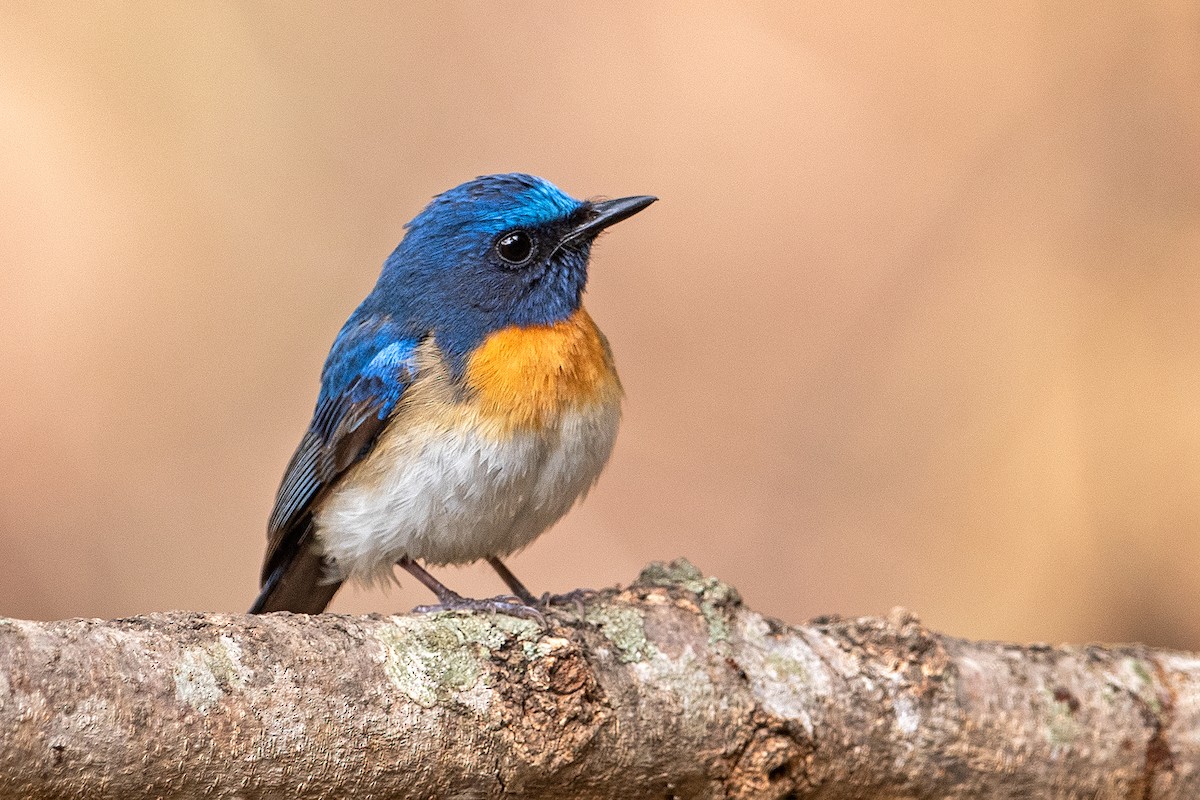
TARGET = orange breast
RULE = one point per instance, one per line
(526, 377)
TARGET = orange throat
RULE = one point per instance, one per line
(527, 377)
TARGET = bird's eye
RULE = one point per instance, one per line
(515, 247)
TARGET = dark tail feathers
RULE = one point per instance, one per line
(296, 585)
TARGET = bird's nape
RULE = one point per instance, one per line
(472, 363)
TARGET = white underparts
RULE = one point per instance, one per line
(449, 488)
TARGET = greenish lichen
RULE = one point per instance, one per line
(543, 647)
(442, 657)
(490, 630)
(783, 667)
(204, 674)
(1061, 728)
(785, 675)
(625, 628)
(1145, 689)
(428, 668)
(718, 623)
(714, 595)
(683, 676)
(679, 572)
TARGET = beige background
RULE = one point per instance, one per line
(914, 323)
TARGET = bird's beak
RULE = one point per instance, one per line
(610, 212)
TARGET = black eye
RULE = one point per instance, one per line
(515, 247)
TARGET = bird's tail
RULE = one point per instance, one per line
(297, 584)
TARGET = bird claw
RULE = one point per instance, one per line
(575, 597)
(505, 604)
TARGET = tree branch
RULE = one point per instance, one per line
(670, 688)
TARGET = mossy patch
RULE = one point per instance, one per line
(714, 595)
(717, 622)
(443, 657)
(683, 574)
(625, 628)
(492, 631)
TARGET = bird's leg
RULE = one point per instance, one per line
(450, 600)
(510, 580)
(574, 597)
(445, 594)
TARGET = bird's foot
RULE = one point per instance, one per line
(546, 601)
(505, 604)
(575, 597)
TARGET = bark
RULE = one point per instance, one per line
(669, 688)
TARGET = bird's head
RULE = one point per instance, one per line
(498, 251)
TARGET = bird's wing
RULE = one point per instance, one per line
(370, 367)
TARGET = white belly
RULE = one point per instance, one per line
(452, 491)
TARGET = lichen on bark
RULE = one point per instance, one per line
(669, 687)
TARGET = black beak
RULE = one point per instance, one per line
(610, 212)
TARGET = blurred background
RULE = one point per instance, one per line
(915, 323)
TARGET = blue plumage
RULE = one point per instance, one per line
(367, 372)
(371, 362)
(497, 252)
(446, 276)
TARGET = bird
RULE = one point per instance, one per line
(465, 406)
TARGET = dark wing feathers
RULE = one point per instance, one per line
(368, 370)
